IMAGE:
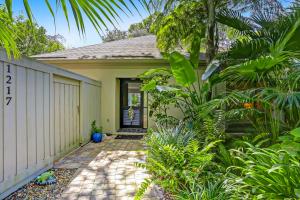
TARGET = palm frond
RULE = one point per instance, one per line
(248, 48)
(263, 20)
(235, 20)
(28, 10)
(7, 39)
(8, 4)
(100, 13)
(164, 6)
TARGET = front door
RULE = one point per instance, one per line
(131, 103)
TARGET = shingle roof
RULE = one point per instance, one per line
(133, 48)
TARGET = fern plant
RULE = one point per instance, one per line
(175, 160)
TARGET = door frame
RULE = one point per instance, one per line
(123, 81)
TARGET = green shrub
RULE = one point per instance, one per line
(211, 190)
(289, 142)
(178, 136)
(175, 161)
(268, 174)
(95, 128)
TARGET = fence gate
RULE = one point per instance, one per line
(45, 112)
(66, 115)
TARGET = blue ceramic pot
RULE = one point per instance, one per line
(97, 137)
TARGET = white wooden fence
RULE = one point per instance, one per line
(45, 113)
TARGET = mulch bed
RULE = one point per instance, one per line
(36, 192)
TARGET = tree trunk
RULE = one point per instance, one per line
(211, 26)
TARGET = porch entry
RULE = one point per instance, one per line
(133, 113)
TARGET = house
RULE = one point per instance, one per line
(117, 65)
(48, 107)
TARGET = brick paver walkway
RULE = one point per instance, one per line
(107, 171)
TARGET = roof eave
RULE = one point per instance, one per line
(112, 60)
(102, 63)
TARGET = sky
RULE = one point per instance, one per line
(44, 18)
(72, 38)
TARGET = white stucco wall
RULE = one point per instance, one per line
(109, 75)
(110, 106)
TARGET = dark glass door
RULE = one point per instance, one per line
(132, 104)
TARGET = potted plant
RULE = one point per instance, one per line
(96, 133)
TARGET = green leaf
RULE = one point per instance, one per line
(212, 67)
(234, 19)
(65, 11)
(99, 13)
(50, 10)
(296, 132)
(280, 45)
(151, 72)
(195, 52)
(182, 69)
(285, 138)
(297, 192)
(149, 86)
(7, 36)
(8, 4)
(28, 10)
(162, 88)
(291, 147)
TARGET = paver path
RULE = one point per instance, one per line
(107, 171)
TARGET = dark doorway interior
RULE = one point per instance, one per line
(131, 104)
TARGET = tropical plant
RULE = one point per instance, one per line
(225, 158)
(261, 75)
(203, 15)
(175, 161)
(187, 93)
(180, 26)
(263, 72)
(213, 127)
(160, 100)
(263, 38)
(99, 13)
(179, 135)
(211, 190)
(7, 34)
(268, 174)
(289, 142)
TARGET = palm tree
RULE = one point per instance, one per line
(97, 11)
(263, 68)
(212, 9)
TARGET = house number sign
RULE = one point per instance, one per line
(8, 82)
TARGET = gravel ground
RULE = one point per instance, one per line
(36, 192)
